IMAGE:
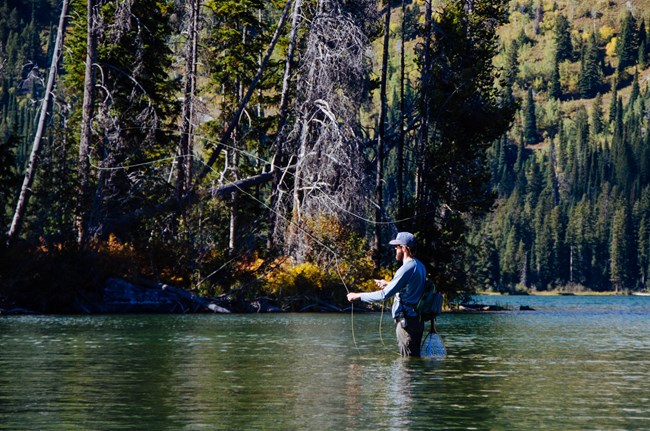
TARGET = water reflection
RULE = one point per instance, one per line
(400, 394)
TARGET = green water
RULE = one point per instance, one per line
(577, 363)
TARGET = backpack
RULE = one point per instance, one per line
(429, 306)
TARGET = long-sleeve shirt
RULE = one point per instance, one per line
(407, 286)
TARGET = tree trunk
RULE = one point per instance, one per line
(33, 160)
(234, 201)
(186, 144)
(402, 133)
(425, 107)
(282, 120)
(381, 137)
(83, 203)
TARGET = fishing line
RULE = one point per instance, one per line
(135, 165)
(308, 234)
(381, 317)
(326, 196)
(260, 160)
(325, 246)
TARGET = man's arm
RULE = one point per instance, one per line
(387, 290)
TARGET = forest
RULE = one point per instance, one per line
(254, 148)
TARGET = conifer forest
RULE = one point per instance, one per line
(272, 148)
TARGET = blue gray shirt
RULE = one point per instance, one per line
(407, 286)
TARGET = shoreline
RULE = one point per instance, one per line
(556, 293)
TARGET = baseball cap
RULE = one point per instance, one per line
(404, 238)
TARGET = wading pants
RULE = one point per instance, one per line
(409, 335)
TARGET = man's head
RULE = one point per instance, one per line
(404, 244)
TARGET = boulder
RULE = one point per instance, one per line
(120, 296)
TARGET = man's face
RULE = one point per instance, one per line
(399, 252)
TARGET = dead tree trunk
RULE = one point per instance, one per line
(288, 68)
(33, 159)
(86, 126)
(325, 139)
(379, 209)
(186, 144)
(282, 120)
(402, 132)
(425, 106)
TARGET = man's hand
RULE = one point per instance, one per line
(380, 283)
(353, 296)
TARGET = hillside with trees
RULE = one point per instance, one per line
(270, 149)
(571, 174)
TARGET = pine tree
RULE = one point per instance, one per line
(577, 242)
(9, 179)
(620, 153)
(461, 114)
(634, 93)
(543, 237)
(554, 86)
(622, 264)
(627, 44)
(644, 160)
(511, 66)
(642, 228)
(563, 44)
(642, 59)
(597, 115)
(643, 55)
(135, 100)
(529, 119)
(589, 81)
(581, 145)
(613, 104)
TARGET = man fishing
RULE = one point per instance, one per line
(407, 286)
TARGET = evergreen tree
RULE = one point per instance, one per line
(621, 156)
(644, 160)
(589, 81)
(559, 261)
(484, 269)
(554, 86)
(577, 241)
(460, 104)
(581, 146)
(634, 93)
(613, 104)
(627, 44)
(622, 264)
(642, 228)
(543, 240)
(643, 55)
(511, 66)
(530, 119)
(412, 15)
(9, 179)
(135, 101)
(642, 60)
(597, 115)
(563, 44)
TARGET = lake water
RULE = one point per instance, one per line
(576, 363)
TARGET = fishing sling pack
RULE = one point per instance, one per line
(429, 306)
